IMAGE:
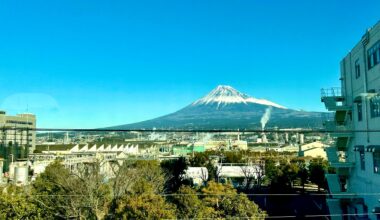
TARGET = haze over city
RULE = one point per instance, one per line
(93, 64)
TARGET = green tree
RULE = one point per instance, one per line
(317, 169)
(151, 171)
(227, 203)
(174, 170)
(213, 171)
(63, 194)
(233, 157)
(15, 204)
(289, 172)
(189, 205)
(272, 171)
(303, 172)
(199, 159)
(143, 203)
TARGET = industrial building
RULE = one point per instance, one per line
(354, 186)
(17, 137)
(314, 149)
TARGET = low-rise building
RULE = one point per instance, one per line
(199, 175)
(314, 149)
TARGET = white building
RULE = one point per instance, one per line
(356, 155)
(252, 171)
(199, 175)
(314, 149)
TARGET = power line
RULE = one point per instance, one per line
(258, 216)
(227, 194)
(194, 130)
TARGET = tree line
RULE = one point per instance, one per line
(280, 171)
(141, 189)
(149, 189)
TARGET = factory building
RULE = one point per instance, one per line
(354, 186)
(17, 137)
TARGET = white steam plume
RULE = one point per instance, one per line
(265, 118)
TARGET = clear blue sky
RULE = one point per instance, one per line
(99, 63)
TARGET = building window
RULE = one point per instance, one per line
(376, 162)
(362, 159)
(357, 69)
(373, 54)
(375, 106)
(360, 111)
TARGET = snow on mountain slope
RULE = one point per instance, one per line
(224, 95)
(226, 108)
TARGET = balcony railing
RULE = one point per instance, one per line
(335, 127)
(340, 163)
(333, 99)
(338, 130)
(331, 92)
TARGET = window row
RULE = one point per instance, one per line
(373, 58)
(376, 160)
(19, 122)
(375, 106)
(373, 55)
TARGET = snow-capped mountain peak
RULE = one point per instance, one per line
(224, 95)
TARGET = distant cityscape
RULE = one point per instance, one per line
(37, 151)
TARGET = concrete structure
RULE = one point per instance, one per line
(239, 175)
(355, 156)
(302, 139)
(18, 130)
(21, 175)
(239, 145)
(79, 155)
(185, 150)
(264, 138)
(17, 137)
(314, 149)
(239, 171)
(18, 172)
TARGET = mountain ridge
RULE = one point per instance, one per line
(227, 108)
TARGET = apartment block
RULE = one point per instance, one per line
(355, 185)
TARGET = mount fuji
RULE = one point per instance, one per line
(226, 108)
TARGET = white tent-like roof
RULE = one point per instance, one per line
(114, 149)
(75, 148)
(101, 148)
(108, 148)
(121, 148)
(84, 149)
(93, 148)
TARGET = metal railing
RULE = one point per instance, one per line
(331, 92)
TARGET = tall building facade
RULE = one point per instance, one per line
(355, 185)
(17, 137)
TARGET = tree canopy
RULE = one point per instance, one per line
(136, 190)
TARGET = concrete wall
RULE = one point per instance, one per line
(20, 121)
(362, 181)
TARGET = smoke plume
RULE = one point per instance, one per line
(265, 118)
